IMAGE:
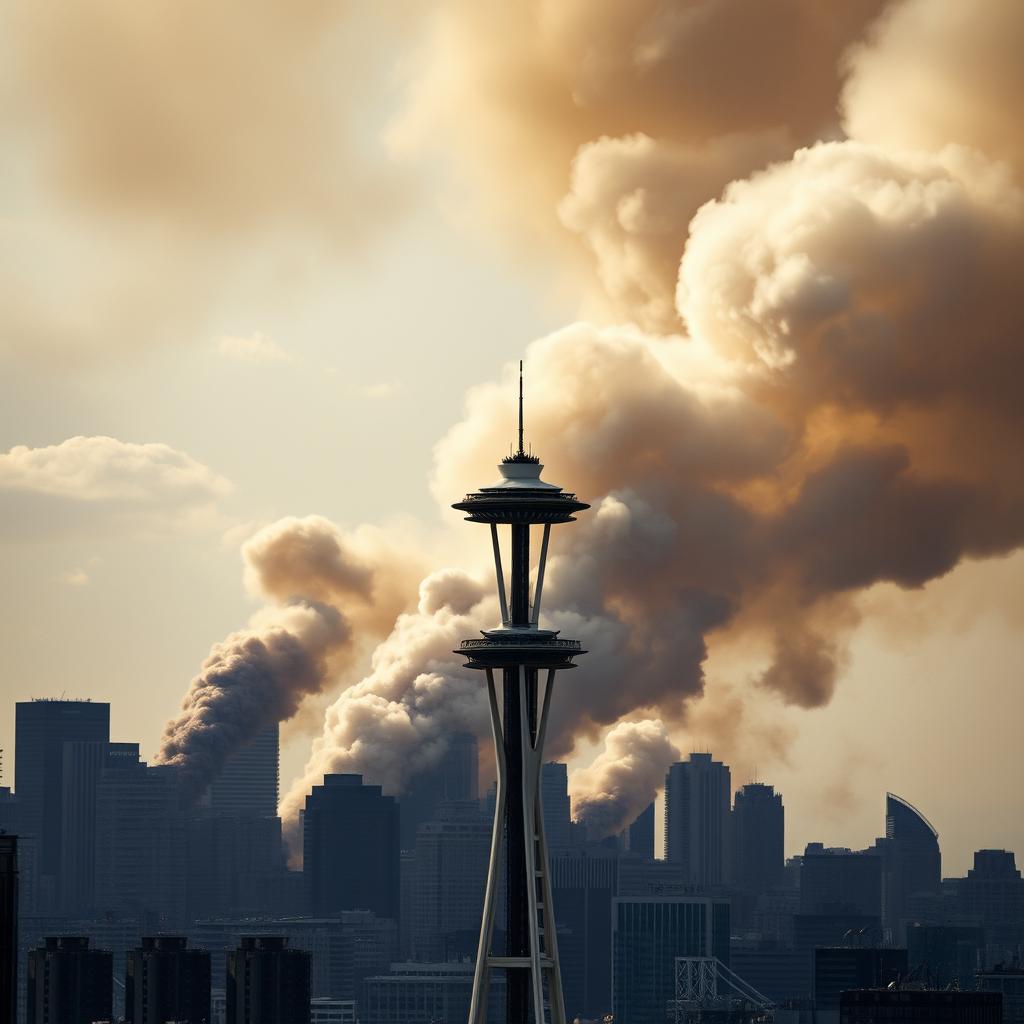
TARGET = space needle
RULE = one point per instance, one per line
(521, 651)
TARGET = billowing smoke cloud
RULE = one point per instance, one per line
(334, 596)
(841, 410)
(623, 777)
(251, 680)
(708, 89)
(397, 721)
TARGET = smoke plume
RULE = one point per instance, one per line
(334, 596)
(811, 386)
(622, 777)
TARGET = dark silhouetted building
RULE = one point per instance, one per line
(916, 1006)
(911, 863)
(415, 993)
(554, 793)
(42, 728)
(247, 785)
(166, 981)
(69, 983)
(140, 839)
(839, 968)
(639, 836)
(697, 803)
(1009, 983)
(8, 926)
(235, 865)
(992, 895)
(453, 779)
(351, 848)
(450, 875)
(758, 855)
(948, 953)
(584, 880)
(267, 983)
(840, 881)
(647, 936)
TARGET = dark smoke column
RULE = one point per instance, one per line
(521, 650)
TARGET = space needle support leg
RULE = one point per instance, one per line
(540, 573)
(502, 599)
(530, 776)
(481, 974)
(556, 999)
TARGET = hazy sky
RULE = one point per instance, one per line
(256, 259)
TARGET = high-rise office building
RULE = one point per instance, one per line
(840, 968)
(639, 836)
(911, 863)
(1007, 981)
(758, 855)
(451, 872)
(8, 926)
(415, 993)
(992, 894)
(647, 936)
(83, 763)
(42, 728)
(554, 794)
(351, 848)
(248, 783)
(166, 981)
(234, 864)
(452, 780)
(950, 953)
(69, 983)
(140, 838)
(902, 1005)
(697, 802)
(584, 880)
(838, 880)
(267, 983)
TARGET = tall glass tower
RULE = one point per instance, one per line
(520, 650)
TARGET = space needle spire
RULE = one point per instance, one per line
(517, 653)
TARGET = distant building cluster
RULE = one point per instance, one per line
(118, 903)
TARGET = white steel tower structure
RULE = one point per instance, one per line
(521, 650)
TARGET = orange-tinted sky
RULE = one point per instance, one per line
(255, 259)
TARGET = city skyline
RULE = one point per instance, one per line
(247, 362)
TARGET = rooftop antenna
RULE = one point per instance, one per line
(521, 452)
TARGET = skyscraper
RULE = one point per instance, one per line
(69, 983)
(140, 837)
(450, 875)
(584, 880)
(83, 763)
(453, 779)
(648, 933)
(758, 855)
(248, 782)
(521, 650)
(8, 926)
(267, 983)
(351, 848)
(554, 790)
(911, 862)
(167, 981)
(640, 834)
(42, 727)
(697, 800)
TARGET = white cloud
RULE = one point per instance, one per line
(252, 348)
(99, 484)
(75, 577)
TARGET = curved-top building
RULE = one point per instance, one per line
(904, 821)
(912, 863)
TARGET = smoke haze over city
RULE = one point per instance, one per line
(269, 274)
